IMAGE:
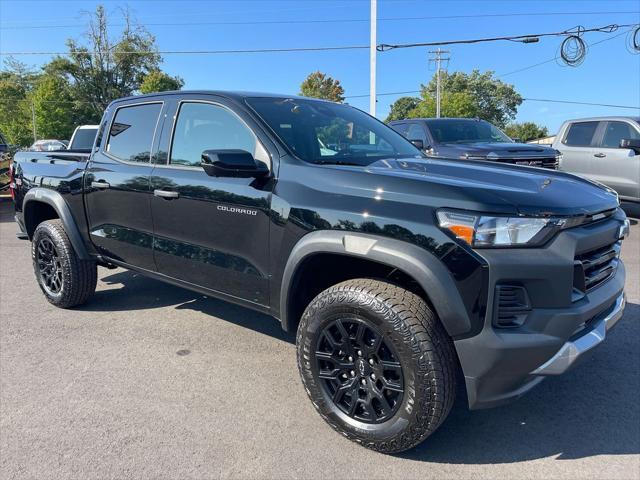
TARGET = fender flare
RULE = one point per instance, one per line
(55, 200)
(422, 266)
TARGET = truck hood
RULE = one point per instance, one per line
(528, 190)
(500, 150)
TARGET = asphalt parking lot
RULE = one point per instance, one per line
(151, 381)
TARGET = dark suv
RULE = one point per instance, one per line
(395, 270)
(473, 139)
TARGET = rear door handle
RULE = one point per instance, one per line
(100, 184)
(599, 155)
(166, 194)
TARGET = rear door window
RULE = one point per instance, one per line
(616, 131)
(580, 134)
(132, 131)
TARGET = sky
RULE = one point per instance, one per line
(610, 74)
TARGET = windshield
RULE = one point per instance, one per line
(324, 132)
(83, 139)
(465, 131)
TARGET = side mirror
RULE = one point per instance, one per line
(232, 163)
(631, 143)
(417, 143)
(517, 140)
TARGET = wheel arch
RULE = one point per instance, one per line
(415, 263)
(40, 204)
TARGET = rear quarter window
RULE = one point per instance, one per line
(580, 134)
(401, 128)
(131, 133)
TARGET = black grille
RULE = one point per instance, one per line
(512, 305)
(595, 267)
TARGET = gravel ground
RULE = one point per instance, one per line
(152, 381)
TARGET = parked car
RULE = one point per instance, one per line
(395, 270)
(83, 138)
(4, 145)
(472, 139)
(47, 146)
(5, 159)
(604, 149)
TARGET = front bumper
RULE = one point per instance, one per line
(585, 340)
(501, 364)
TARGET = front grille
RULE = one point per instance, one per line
(595, 267)
(545, 162)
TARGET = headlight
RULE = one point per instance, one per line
(485, 231)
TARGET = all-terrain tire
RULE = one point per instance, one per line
(411, 329)
(53, 255)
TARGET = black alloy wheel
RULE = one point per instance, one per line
(376, 363)
(49, 266)
(359, 370)
(65, 279)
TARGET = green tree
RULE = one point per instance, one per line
(401, 107)
(54, 107)
(526, 131)
(75, 90)
(321, 85)
(107, 68)
(452, 104)
(485, 96)
(16, 81)
(157, 81)
(15, 113)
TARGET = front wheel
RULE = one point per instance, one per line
(64, 278)
(376, 363)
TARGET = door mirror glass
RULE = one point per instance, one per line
(232, 163)
(418, 143)
(632, 144)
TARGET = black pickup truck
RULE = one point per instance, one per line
(402, 275)
(473, 139)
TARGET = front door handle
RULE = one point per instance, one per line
(101, 184)
(166, 194)
(599, 155)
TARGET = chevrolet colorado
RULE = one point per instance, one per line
(402, 275)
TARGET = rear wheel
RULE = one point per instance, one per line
(64, 278)
(376, 363)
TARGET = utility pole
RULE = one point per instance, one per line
(438, 59)
(372, 57)
(33, 120)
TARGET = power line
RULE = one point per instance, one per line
(346, 20)
(581, 103)
(556, 57)
(382, 47)
(526, 38)
(205, 52)
(15, 100)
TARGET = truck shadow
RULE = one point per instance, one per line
(591, 410)
(139, 292)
